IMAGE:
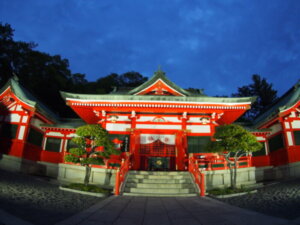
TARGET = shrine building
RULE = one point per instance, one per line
(156, 120)
(159, 119)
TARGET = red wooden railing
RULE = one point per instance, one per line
(211, 162)
(121, 173)
(198, 176)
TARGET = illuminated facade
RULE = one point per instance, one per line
(159, 123)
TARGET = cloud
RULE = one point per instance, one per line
(190, 44)
(196, 14)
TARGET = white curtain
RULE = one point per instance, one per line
(165, 138)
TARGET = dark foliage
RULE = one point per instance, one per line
(264, 91)
(45, 75)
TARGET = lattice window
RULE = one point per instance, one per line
(157, 148)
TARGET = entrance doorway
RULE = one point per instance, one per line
(157, 152)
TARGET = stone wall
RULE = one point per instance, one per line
(221, 178)
(75, 174)
(65, 173)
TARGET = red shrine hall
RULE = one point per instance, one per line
(158, 123)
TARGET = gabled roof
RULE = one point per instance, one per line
(159, 75)
(286, 101)
(185, 96)
(25, 96)
(155, 98)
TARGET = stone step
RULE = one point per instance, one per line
(160, 195)
(156, 186)
(160, 190)
(166, 177)
(158, 172)
(159, 181)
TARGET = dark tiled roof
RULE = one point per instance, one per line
(24, 95)
(290, 98)
(251, 128)
(66, 123)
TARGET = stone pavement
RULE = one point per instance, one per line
(128, 210)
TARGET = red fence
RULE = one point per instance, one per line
(199, 177)
(218, 162)
(121, 173)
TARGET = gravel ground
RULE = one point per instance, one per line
(39, 201)
(280, 199)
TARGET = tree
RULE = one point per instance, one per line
(233, 141)
(108, 83)
(45, 75)
(196, 91)
(264, 91)
(131, 79)
(89, 139)
(11, 53)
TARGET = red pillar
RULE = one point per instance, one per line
(134, 148)
(181, 145)
(285, 141)
(181, 155)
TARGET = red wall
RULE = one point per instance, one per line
(259, 161)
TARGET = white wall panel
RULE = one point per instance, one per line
(123, 118)
(289, 138)
(287, 125)
(194, 120)
(21, 132)
(145, 118)
(55, 134)
(172, 119)
(260, 138)
(13, 118)
(199, 128)
(72, 135)
(296, 124)
(24, 119)
(19, 108)
(117, 126)
(12, 108)
(158, 126)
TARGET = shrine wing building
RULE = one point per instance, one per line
(157, 120)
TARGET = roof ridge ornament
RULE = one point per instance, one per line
(160, 72)
(15, 77)
(297, 84)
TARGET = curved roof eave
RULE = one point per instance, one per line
(285, 102)
(27, 98)
(109, 97)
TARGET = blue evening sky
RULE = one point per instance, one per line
(215, 45)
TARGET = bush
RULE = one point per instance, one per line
(228, 190)
(88, 188)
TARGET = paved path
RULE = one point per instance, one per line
(125, 210)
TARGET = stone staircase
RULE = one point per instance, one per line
(159, 183)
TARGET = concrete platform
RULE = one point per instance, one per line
(128, 210)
